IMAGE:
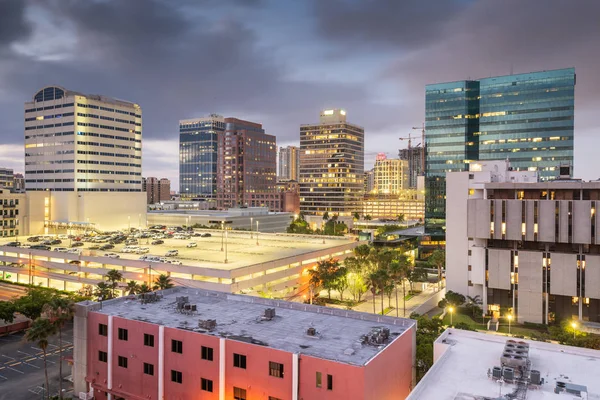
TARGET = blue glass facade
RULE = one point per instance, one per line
(198, 141)
(527, 118)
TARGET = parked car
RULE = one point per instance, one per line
(142, 250)
(112, 255)
(47, 243)
(13, 244)
(155, 242)
(174, 262)
(107, 246)
(63, 237)
(61, 249)
(94, 247)
(76, 244)
(33, 239)
(142, 258)
(56, 241)
(40, 247)
(206, 235)
(74, 251)
(131, 241)
(76, 262)
(129, 249)
(192, 244)
(172, 253)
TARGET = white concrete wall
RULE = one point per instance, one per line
(457, 259)
(529, 307)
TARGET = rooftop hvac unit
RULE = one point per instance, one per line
(497, 373)
(311, 332)
(508, 374)
(208, 324)
(535, 377)
(269, 314)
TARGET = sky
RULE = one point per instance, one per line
(279, 62)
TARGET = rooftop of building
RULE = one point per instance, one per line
(517, 77)
(339, 334)
(461, 371)
(55, 92)
(231, 212)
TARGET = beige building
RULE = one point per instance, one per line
(6, 178)
(391, 206)
(289, 163)
(331, 165)
(533, 247)
(12, 214)
(390, 176)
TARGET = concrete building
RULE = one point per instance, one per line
(390, 175)
(526, 118)
(471, 365)
(246, 173)
(6, 178)
(82, 143)
(157, 190)
(290, 196)
(12, 213)
(391, 206)
(242, 348)
(198, 142)
(506, 231)
(414, 157)
(331, 165)
(19, 183)
(289, 163)
(369, 181)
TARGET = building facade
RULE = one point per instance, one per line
(390, 175)
(19, 183)
(198, 141)
(290, 196)
(82, 143)
(246, 173)
(6, 178)
(392, 206)
(289, 163)
(157, 190)
(12, 213)
(369, 179)
(533, 247)
(331, 165)
(415, 157)
(159, 350)
(525, 118)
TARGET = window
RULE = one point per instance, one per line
(102, 330)
(176, 346)
(319, 379)
(207, 353)
(122, 334)
(176, 376)
(148, 369)
(122, 361)
(329, 382)
(239, 394)
(239, 361)
(275, 369)
(207, 385)
(103, 356)
(148, 340)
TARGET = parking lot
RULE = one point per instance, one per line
(22, 366)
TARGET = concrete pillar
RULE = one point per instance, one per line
(79, 349)
(222, 361)
(110, 354)
(161, 362)
(295, 377)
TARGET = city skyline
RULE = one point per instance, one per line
(375, 69)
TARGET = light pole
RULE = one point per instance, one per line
(251, 224)
(451, 310)
(574, 326)
(225, 246)
(257, 233)
(510, 317)
(222, 234)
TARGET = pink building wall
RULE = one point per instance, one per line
(348, 380)
(97, 372)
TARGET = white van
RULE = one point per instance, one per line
(61, 249)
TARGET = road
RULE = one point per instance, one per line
(8, 291)
(22, 366)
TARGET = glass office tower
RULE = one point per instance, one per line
(198, 140)
(526, 118)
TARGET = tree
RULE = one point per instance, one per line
(438, 259)
(473, 302)
(7, 311)
(32, 304)
(368, 217)
(103, 291)
(356, 215)
(132, 287)
(299, 225)
(326, 216)
(341, 281)
(372, 283)
(114, 277)
(453, 299)
(428, 331)
(383, 281)
(416, 275)
(325, 275)
(59, 311)
(163, 282)
(356, 285)
(399, 269)
(39, 332)
(400, 218)
(144, 288)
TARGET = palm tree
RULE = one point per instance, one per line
(438, 259)
(59, 311)
(144, 288)
(398, 270)
(114, 277)
(368, 217)
(103, 291)
(39, 332)
(163, 282)
(372, 283)
(326, 216)
(132, 287)
(383, 280)
(356, 215)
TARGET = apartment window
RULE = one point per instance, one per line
(207, 385)
(275, 369)
(122, 334)
(319, 379)
(239, 394)
(148, 340)
(102, 330)
(122, 361)
(329, 382)
(148, 369)
(469, 268)
(207, 353)
(176, 376)
(469, 252)
(176, 346)
(239, 361)
(103, 356)
(470, 283)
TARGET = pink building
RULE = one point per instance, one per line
(198, 344)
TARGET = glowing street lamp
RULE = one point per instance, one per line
(451, 311)
(510, 317)
(574, 326)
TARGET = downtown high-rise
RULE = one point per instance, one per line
(289, 163)
(331, 165)
(525, 118)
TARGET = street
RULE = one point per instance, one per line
(8, 291)
(22, 366)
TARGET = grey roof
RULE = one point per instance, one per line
(238, 317)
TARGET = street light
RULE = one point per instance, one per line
(451, 310)
(510, 317)
(574, 326)
(257, 233)
(251, 225)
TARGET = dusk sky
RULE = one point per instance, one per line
(279, 62)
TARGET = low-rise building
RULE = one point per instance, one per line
(157, 190)
(190, 343)
(392, 206)
(12, 213)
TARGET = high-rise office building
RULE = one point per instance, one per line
(157, 190)
(18, 183)
(246, 172)
(289, 163)
(82, 143)
(331, 165)
(369, 181)
(6, 178)
(390, 175)
(414, 157)
(525, 118)
(198, 141)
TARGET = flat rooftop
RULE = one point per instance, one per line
(238, 317)
(460, 372)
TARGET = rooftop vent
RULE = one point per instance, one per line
(151, 297)
(311, 331)
(208, 324)
(269, 314)
(376, 337)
